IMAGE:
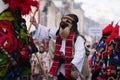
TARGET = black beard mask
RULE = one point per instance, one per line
(63, 25)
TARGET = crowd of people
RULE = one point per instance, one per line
(60, 53)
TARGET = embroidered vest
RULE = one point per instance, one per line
(67, 58)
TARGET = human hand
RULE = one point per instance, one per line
(33, 21)
(74, 75)
(74, 72)
(46, 76)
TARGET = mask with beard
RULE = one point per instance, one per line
(65, 27)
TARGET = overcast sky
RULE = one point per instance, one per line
(101, 9)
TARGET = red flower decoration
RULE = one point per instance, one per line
(7, 39)
(23, 5)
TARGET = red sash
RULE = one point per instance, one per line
(68, 55)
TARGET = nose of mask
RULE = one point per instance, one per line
(63, 25)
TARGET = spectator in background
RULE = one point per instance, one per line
(92, 50)
(45, 60)
(35, 67)
(85, 73)
(44, 56)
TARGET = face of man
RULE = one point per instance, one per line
(65, 27)
(41, 48)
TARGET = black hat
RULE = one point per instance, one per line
(73, 17)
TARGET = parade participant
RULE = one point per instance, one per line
(69, 47)
(96, 60)
(106, 60)
(44, 57)
(85, 73)
(16, 45)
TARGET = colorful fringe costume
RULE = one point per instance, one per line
(15, 43)
(105, 63)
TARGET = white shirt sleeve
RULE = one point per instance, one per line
(79, 55)
(52, 33)
(44, 32)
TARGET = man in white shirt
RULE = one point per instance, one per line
(69, 47)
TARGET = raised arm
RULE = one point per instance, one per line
(43, 32)
(34, 22)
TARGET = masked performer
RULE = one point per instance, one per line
(15, 43)
(69, 47)
(106, 58)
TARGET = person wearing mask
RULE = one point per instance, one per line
(69, 51)
(16, 45)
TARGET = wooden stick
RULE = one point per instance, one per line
(31, 78)
(41, 66)
(31, 23)
(38, 58)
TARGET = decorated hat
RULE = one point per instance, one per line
(108, 29)
(23, 5)
(72, 17)
(116, 29)
(114, 33)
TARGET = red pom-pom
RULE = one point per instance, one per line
(111, 37)
(107, 29)
(23, 5)
(5, 1)
(116, 29)
(113, 34)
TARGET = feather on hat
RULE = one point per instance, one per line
(23, 5)
(113, 34)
